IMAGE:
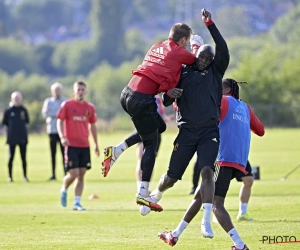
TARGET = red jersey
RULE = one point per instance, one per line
(77, 117)
(161, 68)
(256, 127)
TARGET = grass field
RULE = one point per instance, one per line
(31, 216)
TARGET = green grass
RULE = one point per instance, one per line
(31, 216)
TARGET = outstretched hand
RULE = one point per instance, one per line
(206, 16)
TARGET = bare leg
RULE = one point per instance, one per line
(222, 214)
(245, 190)
(79, 183)
(207, 186)
(194, 207)
(190, 213)
(244, 197)
(70, 177)
(225, 221)
(165, 183)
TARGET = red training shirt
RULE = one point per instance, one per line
(161, 68)
(77, 117)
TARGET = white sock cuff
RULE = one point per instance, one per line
(181, 226)
(234, 235)
(77, 199)
(243, 208)
(122, 145)
(207, 206)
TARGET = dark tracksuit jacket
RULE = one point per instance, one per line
(16, 119)
(199, 104)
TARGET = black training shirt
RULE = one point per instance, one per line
(16, 118)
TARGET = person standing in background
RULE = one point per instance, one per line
(74, 120)
(16, 118)
(49, 111)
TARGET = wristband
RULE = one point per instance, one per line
(209, 22)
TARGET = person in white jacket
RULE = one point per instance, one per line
(49, 111)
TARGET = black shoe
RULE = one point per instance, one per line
(192, 191)
(53, 178)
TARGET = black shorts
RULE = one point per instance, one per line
(77, 158)
(223, 176)
(204, 141)
(239, 175)
(142, 109)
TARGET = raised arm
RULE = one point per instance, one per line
(221, 59)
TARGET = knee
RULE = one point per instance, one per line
(197, 194)
(73, 174)
(207, 173)
(80, 177)
(248, 181)
(217, 204)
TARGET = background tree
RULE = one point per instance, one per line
(135, 45)
(38, 16)
(233, 21)
(108, 34)
(4, 19)
(287, 28)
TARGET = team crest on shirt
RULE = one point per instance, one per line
(87, 112)
(176, 146)
(22, 115)
(70, 163)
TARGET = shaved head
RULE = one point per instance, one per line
(204, 56)
(206, 48)
(16, 98)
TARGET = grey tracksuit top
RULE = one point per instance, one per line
(50, 109)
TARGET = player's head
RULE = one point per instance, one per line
(204, 56)
(231, 87)
(181, 34)
(56, 90)
(79, 90)
(16, 99)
